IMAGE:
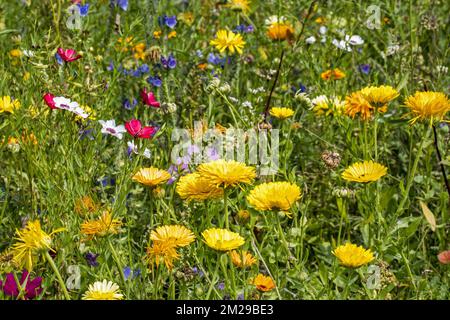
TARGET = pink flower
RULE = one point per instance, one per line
(32, 288)
(68, 55)
(444, 257)
(48, 98)
(149, 99)
(135, 128)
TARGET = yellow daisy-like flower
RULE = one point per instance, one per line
(194, 187)
(222, 239)
(356, 104)
(281, 113)
(242, 259)
(162, 252)
(8, 105)
(103, 290)
(180, 236)
(264, 283)
(274, 195)
(30, 241)
(15, 53)
(428, 105)
(280, 31)
(239, 5)
(352, 256)
(366, 171)
(379, 96)
(222, 173)
(334, 74)
(226, 39)
(151, 176)
(102, 226)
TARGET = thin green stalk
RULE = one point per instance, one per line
(58, 275)
(119, 265)
(225, 204)
(412, 174)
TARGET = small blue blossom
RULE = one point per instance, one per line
(91, 259)
(169, 63)
(364, 68)
(171, 21)
(221, 286)
(83, 9)
(129, 105)
(154, 81)
(59, 59)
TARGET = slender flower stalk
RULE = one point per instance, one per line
(58, 275)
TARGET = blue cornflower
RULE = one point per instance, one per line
(144, 68)
(364, 68)
(169, 63)
(171, 21)
(59, 59)
(91, 259)
(128, 274)
(83, 9)
(123, 4)
(129, 105)
(215, 59)
(154, 81)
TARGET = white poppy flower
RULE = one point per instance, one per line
(109, 127)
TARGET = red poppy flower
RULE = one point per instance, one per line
(68, 55)
(149, 99)
(48, 98)
(135, 128)
(444, 257)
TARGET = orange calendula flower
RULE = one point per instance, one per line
(102, 226)
(264, 283)
(242, 259)
(332, 74)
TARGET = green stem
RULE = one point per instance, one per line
(412, 174)
(225, 204)
(58, 275)
(119, 265)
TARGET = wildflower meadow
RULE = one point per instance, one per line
(224, 150)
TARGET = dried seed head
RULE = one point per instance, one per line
(331, 159)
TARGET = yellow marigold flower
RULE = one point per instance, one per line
(356, 103)
(280, 31)
(352, 256)
(151, 176)
(322, 105)
(30, 241)
(194, 187)
(162, 252)
(281, 113)
(320, 20)
(8, 105)
(366, 171)
(334, 74)
(274, 195)
(242, 259)
(226, 39)
(103, 290)
(172, 34)
(222, 239)
(139, 51)
(427, 105)
(186, 17)
(264, 283)
(85, 205)
(179, 236)
(222, 173)
(379, 96)
(15, 53)
(102, 226)
(157, 34)
(239, 5)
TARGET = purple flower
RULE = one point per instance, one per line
(123, 4)
(213, 154)
(32, 287)
(364, 68)
(128, 274)
(170, 21)
(83, 9)
(154, 81)
(110, 67)
(91, 259)
(129, 105)
(240, 296)
(216, 60)
(144, 68)
(169, 63)
(221, 286)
